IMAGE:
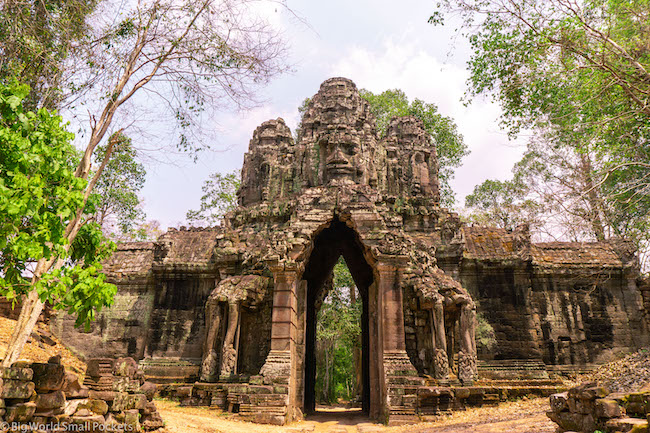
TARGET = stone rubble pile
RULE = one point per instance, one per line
(624, 375)
(45, 397)
(589, 408)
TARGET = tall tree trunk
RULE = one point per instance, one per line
(32, 305)
(29, 313)
(595, 218)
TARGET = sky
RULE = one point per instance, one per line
(378, 44)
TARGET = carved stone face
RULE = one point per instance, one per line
(340, 150)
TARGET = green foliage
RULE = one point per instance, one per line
(117, 200)
(578, 76)
(36, 39)
(219, 197)
(501, 204)
(443, 131)
(486, 339)
(116, 191)
(338, 332)
(39, 194)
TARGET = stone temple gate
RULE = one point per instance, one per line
(338, 191)
(232, 309)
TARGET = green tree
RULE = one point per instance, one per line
(443, 131)
(501, 204)
(43, 256)
(189, 54)
(117, 202)
(338, 339)
(37, 39)
(578, 76)
(219, 197)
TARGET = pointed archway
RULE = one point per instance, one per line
(334, 241)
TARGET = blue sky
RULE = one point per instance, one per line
(380, 45)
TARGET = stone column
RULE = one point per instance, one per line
(281, 362)
(399, 408)
(392, 309)
(230, 343)
(213, 315)
(467, 368)
(440, 360)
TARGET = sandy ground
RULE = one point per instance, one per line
(525, 416)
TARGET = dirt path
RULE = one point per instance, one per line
(527, 416)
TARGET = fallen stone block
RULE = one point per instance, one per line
(17, 389)
(605, 408)
(102, 395)
(132, 420)
(50, 400)
(18, 373)
(124, 401)
(149, 389)
(125, 367)
(48, 376)
(73, 388)
(88, 424)
(98, 367)
(22, 412)
(627, 425)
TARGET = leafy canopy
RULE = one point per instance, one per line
(576, 74)
(443, 131)
(117, 189)
(219, 197)
(39, 194)
(37, 38)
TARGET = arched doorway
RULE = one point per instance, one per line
(334, 241)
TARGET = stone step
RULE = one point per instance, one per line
(518, 382)
(627, 425)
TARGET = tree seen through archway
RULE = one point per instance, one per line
(338, 341)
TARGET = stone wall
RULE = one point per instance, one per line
(588, 408)
(564, 303)
(114, 396)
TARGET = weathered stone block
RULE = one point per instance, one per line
(97, 367)
(635, 425)
(125, 367)
(17, 389)
(152, 422)
(559, 402)
(132, 420)
(73, 388)
(149, 389)
(183, 391)
(18, 373)
(50, 400)
(593, 392)
(124, 402)
(99, 407)
(22, 412)
(605, 408)
(48, 376)
(102, 395)
(566, 420)
(88, 424)
(126, 384)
